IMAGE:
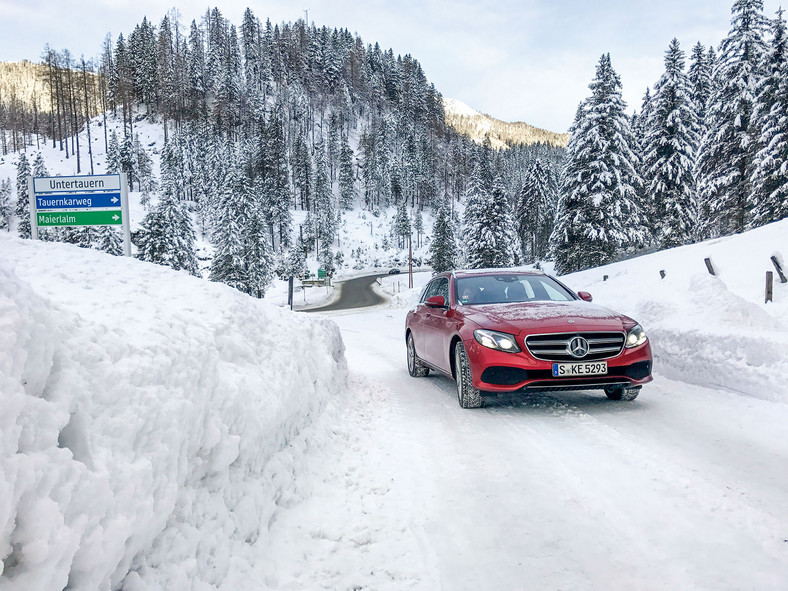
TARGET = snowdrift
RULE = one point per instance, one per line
(708, 329)
(147, 420)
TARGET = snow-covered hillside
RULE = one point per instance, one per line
(364, 238)
(151, 421)
(710, 330)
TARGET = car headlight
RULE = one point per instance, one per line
(500, 341)
(636, 336)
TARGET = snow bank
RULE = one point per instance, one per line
(709, 330)
(146, 418)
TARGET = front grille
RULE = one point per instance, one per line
(555, 347)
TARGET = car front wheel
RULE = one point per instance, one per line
(622, 393)
(414, 369)
(467, 395)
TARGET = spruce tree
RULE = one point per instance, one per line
(22, 197)
(535, 212)
(728, 147)
(599, 214)
(489, 234)
(769, 196)
(347, 190)
(443, 250)
(5, 203)
(699, 75)
(113, 154)
(669, 153)
(166, 237)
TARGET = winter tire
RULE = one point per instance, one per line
(622, 393)
(467, 395)
(414, 369)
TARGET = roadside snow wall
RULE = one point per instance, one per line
(711, 330)
(146, 420)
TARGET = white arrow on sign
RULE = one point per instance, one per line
(115, 217)
(114, 200)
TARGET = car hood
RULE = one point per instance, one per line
(544, 317)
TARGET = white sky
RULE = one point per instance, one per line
(517, 60)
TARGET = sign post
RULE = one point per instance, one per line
(100, 200)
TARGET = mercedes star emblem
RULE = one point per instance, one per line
(578, 347)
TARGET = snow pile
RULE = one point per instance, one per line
(148, 420)
(709, 330)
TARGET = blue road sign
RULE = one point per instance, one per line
(78, 201)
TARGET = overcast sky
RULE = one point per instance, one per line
(517, 60)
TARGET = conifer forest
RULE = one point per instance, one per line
(262, 121)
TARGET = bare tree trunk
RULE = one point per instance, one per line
(87, 111)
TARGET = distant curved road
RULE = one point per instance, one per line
(354, 293)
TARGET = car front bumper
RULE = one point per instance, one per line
(496, 371)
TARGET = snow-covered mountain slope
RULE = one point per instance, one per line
(480, 126)
(151, 421)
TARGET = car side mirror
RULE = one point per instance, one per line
(585, 296)
(436, 302)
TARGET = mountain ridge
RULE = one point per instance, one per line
(501, 134)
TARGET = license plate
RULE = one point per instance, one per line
(571, 370)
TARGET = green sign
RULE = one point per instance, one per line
(80, 218)
(321, 273)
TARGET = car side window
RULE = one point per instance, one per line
(443, 288)
(429, 291)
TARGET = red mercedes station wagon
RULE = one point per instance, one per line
(504, 331)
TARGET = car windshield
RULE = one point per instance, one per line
(500, 289)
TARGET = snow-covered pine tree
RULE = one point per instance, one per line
(669, 153)
(347, 189)
(402, 228)
(277, 178)
(126, 160)
(418, 225)
(5, 204)
(699, 74)
(166, 236)
(113, 154)
(108, 239)
(143, 164)
(258, 253)
(769, 196)
(324, 206)
(228, 265)
(295, 261)
(535, 212)
(22, 197)
(728, 147)
(489, 234)
(51, 234)
(443, 249)
(599, 214)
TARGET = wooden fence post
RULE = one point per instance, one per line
(604, 277)
(769, 286)
(709, 266)
(662, 273)
(777, 266)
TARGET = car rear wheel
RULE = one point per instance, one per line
(467, 395)
(414, 369)
(622, 393)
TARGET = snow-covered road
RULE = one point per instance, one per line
(684, 488)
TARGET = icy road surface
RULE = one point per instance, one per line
(685, 488)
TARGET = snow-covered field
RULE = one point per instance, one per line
(163, 432)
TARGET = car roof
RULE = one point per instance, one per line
(462, 273)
